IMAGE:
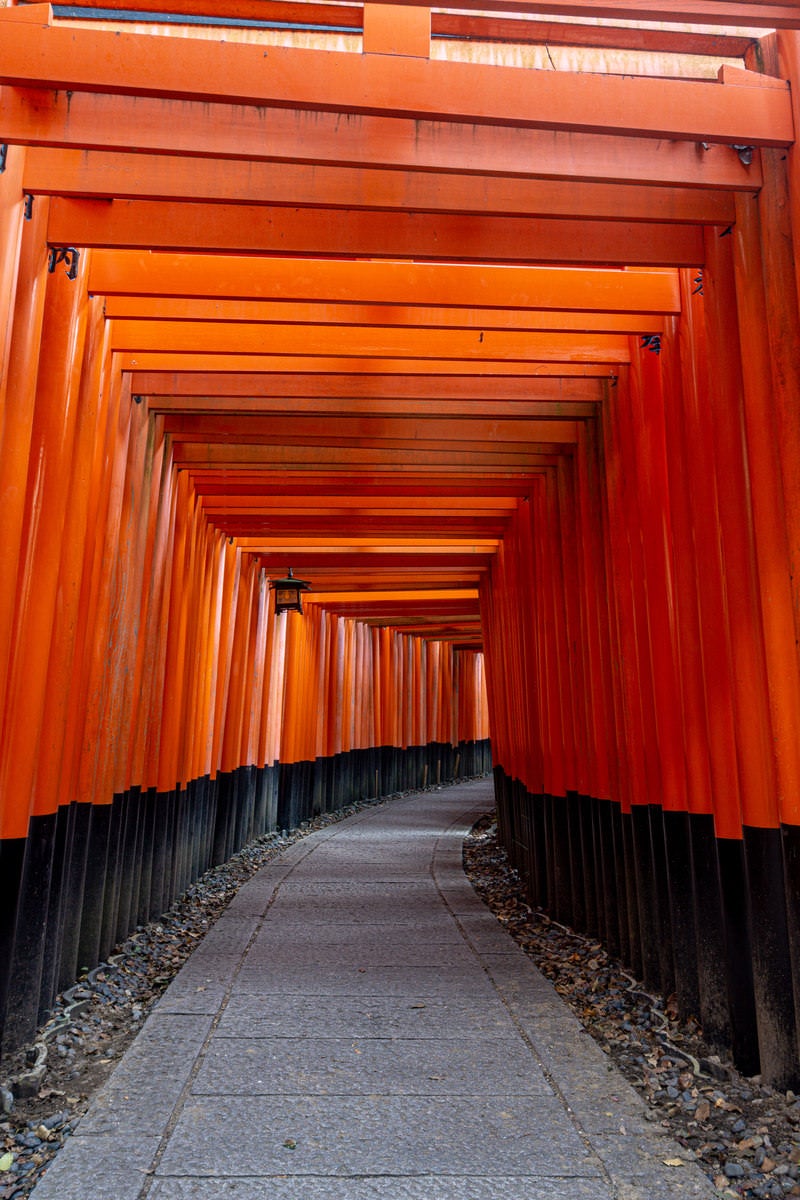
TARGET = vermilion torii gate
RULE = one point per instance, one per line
(485, 322)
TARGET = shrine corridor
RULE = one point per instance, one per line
(358, 1025)
(394, 397)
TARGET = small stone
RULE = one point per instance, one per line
(58, 1119)
(733, 1170)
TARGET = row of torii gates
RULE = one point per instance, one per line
(483, 320)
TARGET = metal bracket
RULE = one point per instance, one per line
(27, 208)
(66, 254)
(745, 154)
(3, 157)
(698, 284)
(652, 341)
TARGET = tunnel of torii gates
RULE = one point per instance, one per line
(483, 320)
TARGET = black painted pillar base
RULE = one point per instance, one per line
(611, 896)
(666, 962)
(647, 896)
(677, 846)
(558, 853)
(772, 968)
(12, 857)
(790, 845)
(632, 895)
(709, 932)
(30, 928)
(738, 955)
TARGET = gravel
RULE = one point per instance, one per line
(745, 1135)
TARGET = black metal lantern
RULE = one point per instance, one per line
(287, 593)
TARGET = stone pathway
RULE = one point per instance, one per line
(357, 1026)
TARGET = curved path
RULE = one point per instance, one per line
(357, 1026)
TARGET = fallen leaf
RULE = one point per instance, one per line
(673, 1162)
(7, 1162)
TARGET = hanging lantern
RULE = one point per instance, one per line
(287, 593)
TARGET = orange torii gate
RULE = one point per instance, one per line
(504, 359)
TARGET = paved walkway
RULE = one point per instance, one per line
(357, 1026)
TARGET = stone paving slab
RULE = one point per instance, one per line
(375, 1135)
(381, 952)
(102, 1167)
(373, 1016)
(386, 1187)
(199, 997)
(354, 911)
(157, 1065)
(300, 891)
(325, 980)
(365, 1066)
(295, 934)
(375, 1035)
(486, 936)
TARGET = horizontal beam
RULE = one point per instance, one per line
(145, 360)
(146, 224)
(72, 59)
(395, 457)
(94, 174)
(187, 392)
(344, 506)
(379, 530)
(360, 545)
(477, 25)
(344, 572)
(218, 427)
(140, 273)
(698, 12)
(367, 483)
(453, 410)
(472, 26)
(136, 124)
(343, 316)
(404, 597)
(493, 345)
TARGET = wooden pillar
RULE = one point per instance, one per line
(21, 375)
(52, 442)
(755, 754)
(11, 224)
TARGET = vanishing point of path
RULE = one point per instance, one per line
(357, 1026)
